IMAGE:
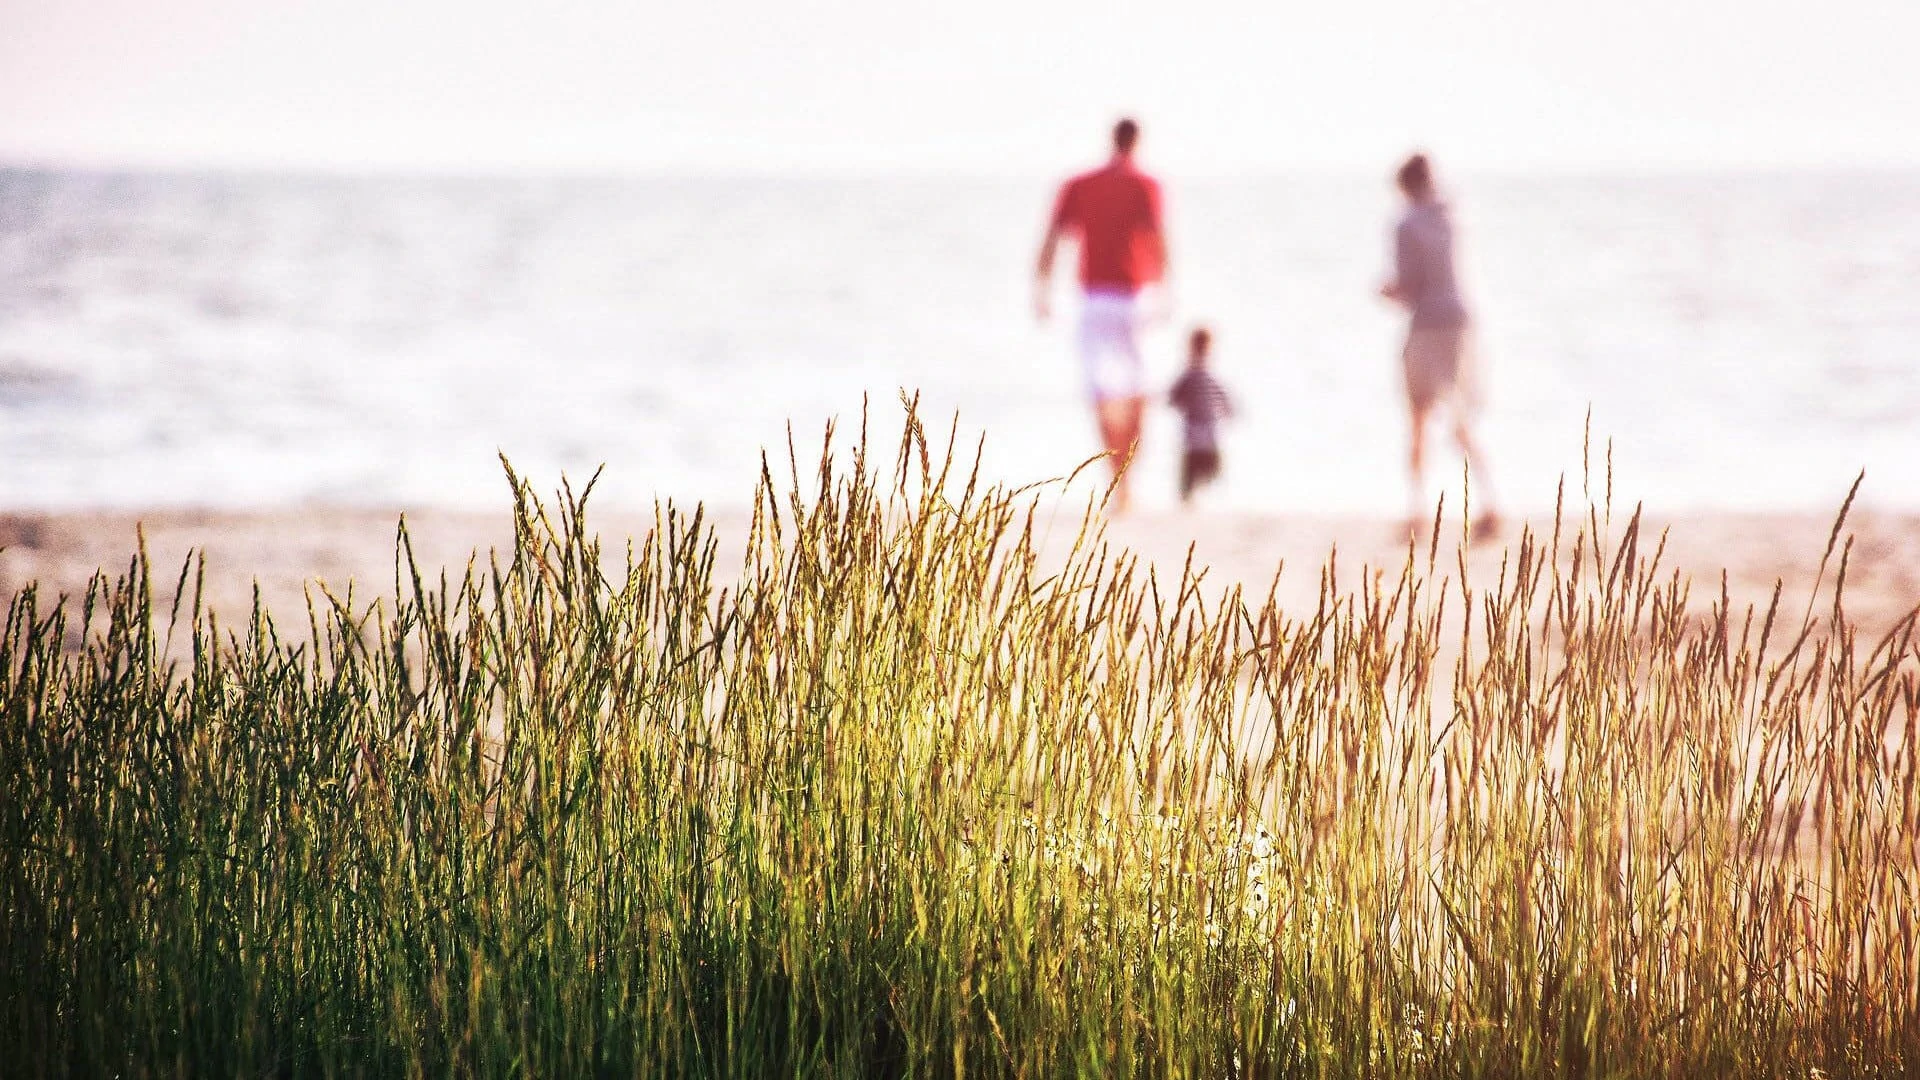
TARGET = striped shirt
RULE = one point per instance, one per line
(1202, 403)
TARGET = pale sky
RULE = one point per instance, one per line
(981, 86)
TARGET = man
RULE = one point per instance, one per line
(1114, 213)
(1438, 361)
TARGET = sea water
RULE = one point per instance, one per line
(1734, 341)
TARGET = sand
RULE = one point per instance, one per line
(287, 551)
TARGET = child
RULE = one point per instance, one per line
(1202, 404)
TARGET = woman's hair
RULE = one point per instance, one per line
(1416, 176)
(1199, 340)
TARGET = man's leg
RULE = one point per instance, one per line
(1110, 354)
(1131, 408)
(1119, 420)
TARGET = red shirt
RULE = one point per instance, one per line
(1115, 211)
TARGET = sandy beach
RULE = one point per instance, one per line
(287, 551)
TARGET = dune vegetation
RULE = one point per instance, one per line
(940, 783)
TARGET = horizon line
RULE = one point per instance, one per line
(383, 170)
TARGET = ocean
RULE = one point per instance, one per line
(246, 341)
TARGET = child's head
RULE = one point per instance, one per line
(1199, 344)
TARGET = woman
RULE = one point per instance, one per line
(1438, 359)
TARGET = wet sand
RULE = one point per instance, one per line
(287, 552)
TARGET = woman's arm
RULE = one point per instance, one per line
(1406, 267)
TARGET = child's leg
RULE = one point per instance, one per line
(1207, 469)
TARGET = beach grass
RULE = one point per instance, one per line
(941, 783)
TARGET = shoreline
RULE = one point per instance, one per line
(286, 550)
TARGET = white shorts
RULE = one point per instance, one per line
(1110, 345)
(1438, 362)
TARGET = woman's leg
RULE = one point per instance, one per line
(1417, 508)
(1415, 365)
(1488, 521)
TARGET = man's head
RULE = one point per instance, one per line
(1199, 344)
(1416, 178)
(1125, 134)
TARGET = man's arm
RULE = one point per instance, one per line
(1043, 267)
(1043, 273)
(1156, 238)
(1156, 251)
(1150, 243)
